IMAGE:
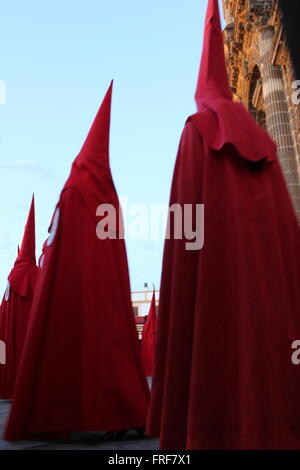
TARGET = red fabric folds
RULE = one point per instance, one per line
(81, 368)
(148, 339)
(228, 313)
(16, 305)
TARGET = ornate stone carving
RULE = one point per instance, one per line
(252, 69)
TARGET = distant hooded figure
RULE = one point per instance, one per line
(148, 338)
(16, 305)
(81, 367)
(229, 313)
(291, 20)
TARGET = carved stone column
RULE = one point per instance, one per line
(277, 115)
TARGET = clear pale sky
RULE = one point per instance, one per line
(57, 59)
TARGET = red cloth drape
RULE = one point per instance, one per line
(81, 368)
(16, 305)
(228, 314)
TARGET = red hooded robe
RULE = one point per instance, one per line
(81, 368)
(16, 305)
(229, 313)
(148, 339)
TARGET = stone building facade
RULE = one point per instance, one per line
(262, 78)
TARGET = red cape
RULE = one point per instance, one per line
(81, 368)
(148, 339)
(15, 307)
(228, 313)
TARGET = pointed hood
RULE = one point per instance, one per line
(219, 120)
(27, 250)
(22, 277)
(90, 173)
(212, 83)
(151, 318)
(95, 150)
(148, 339)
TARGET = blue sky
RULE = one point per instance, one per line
(57, 59)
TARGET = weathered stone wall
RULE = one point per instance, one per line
(261, 77)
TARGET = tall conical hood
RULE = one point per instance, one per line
(27, 249)
(220, 120)
(95, 150)
(151, 318)
(212, 81)
(148, 338)
(90, 172)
